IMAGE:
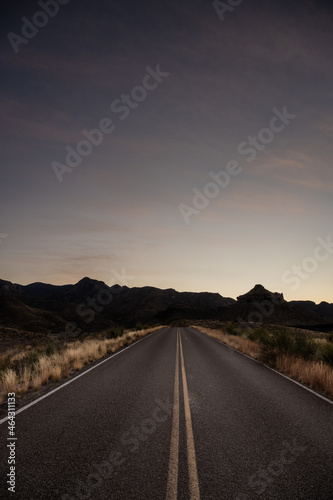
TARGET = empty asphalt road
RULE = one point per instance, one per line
(177, 415)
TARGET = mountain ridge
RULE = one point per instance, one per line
(92, 305)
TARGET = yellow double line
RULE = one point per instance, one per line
(174, 446)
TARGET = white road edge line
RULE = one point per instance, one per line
(269, 368)
(80, 375)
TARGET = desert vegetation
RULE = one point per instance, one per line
(36, 365)
(302, 355)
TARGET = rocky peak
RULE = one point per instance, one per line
(260, 294)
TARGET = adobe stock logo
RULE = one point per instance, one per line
(309, 264)
(265, 136)
(266, 476)
(122, 107)
(222, 179)
(39, 20)
(222, 7)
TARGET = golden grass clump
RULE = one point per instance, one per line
(37, 381)
(24, 381)
(43, 369)
(239, 343)
(64, 364)
(315, 374)
(102, 350)
(9, 381)
(55, 373)
(110, 345)
(77, 364)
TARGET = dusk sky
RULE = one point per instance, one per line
(213, 169)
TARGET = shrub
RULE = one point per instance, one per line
(114, 332)
(304, 347)
(31, 359)
(284, 343)
(258, 335)
(139, 326)
(50, 349)
(231, 329)
(275, 345)
(327, 353)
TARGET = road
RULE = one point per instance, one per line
(176, 415)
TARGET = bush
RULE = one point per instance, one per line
(304, 347)
(50, 349)
(231, 329)
(114, 332)
(258, 335)
(139, 326)
(30, 360)
(284, 343)
(275, 345)
(327, 353)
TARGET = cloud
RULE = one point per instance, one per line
(297, 168)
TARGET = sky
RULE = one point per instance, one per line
(183, 145)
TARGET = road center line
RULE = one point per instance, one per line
(172, 485)
(191, 458)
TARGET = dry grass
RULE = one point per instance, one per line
(77, 364)
(64, 365)
(315, 374)
(55, 373)
(9, 381)
(24, 381)
(60, 364)
(44, 368)
(241, 344)
(37, 381)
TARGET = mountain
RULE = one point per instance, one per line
(324, 309)
(260, 294)
(16, 314)
(91, 305)
(261, 305)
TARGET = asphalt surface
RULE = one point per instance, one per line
(115, 432)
